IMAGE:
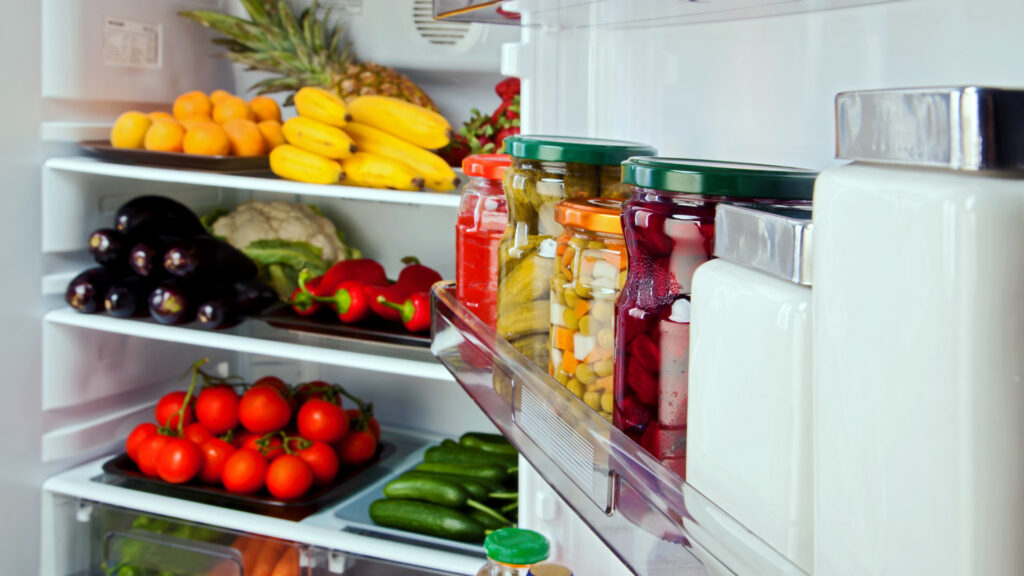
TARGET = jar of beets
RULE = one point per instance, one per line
(545, 170)
(482, 219)
(669, 226)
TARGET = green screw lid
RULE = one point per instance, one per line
(516, 546)
(577, 150)
(719, 178)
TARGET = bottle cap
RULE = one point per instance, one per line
(490, 166)
(516, 546)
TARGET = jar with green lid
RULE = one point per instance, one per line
(669, 226)
(512, 551)
(546, 170)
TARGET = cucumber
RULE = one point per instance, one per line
(451, 451)
(478, 488)
(426, 518)
(495, 443)
(486, 520)
(491, 472)
(432, 490)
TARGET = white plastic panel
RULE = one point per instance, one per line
(127, 51)
(96, 436)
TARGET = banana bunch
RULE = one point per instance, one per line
(372, 141)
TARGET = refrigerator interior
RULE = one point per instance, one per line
(753, 81)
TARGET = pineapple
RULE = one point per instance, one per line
(303, 51)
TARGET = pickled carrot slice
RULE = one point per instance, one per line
(563, 339)
(603, 384)
(569, 363)
(598, 354)
(581, 308)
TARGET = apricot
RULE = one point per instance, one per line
(191, 121)
(165, 136)
(272, 134)
(129, 130)
(233, 107)
(193, 103)
(160, 115)
(217, 95)
(245, 137)
(265, 108)
(206, 138)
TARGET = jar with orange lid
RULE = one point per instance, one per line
(590, 269)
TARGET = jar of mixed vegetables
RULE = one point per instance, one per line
(669, 226)
(482, 219)
(590, 268)
(545, 170)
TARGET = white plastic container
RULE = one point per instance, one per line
(919, 336)
(749, 434)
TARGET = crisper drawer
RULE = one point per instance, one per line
(94, 539)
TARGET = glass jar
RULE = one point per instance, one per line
(482, 219)
(545, 170)
(547, 569)
(512, 551)
(669, 226)
(589, 270)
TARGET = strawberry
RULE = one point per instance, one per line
(499, 138)
(507, 88)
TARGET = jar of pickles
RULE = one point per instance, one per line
(669, 227)
(589, 270)
(545, 170)
(482, 219)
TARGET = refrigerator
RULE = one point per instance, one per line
(730, 80)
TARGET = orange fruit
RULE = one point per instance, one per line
(189, 104)
(165, 136)
(245, 137)
(217, 95)
(206, 138)
(191, 121)
(265, 108)
(129, 130)
(233, 107)
(272, 134)
(160, 115)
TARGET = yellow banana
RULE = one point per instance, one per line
(319, 138)
(412, 123)
(373, 171)
(294, 163)
(436, 173)
(319, 104)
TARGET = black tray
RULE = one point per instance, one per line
(326, 323)
(103, 149)
(122, 471)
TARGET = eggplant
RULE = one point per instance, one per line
(146, 258)
(174, 301)
(157, 215)
(86, 291)
(247, 297)
(128, 297)
(207, 259)
(110, 248)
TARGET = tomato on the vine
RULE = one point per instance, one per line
(244, 472)
(148, 452)
(270, 448)
(179, 461)
(371, 423)
(240, 436)
(197, 433)
(357, 447)
(215, 453)
(217, 408)
(322, 421)
(322, 460)
(317, 389)
(289, 477)
(137, 436)
(279, 385)
(264, 409)
(167, 410)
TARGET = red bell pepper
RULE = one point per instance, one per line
(415, 311)
(416, 276)
(363, 270)
(302, 299)
(350, 300)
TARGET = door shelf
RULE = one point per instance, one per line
(647, 514)
(259, 182)
(256, 337)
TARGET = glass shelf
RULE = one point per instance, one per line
(645, 513)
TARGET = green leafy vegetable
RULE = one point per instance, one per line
(281, 261)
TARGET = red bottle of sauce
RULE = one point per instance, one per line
(483, 217)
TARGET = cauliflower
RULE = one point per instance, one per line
(289, 221)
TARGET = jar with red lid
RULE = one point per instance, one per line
(482, 219)
(590, 267)
(669, 227)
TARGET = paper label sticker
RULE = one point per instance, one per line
(132, 44)
(343, 6)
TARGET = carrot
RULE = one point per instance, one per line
(563, 338)
(615, 259)
(598, 354)
(581, 308)
(569, 363)
(250, 553)
(270, 553)
(604, 384)
(568, 257)
(288, 564)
